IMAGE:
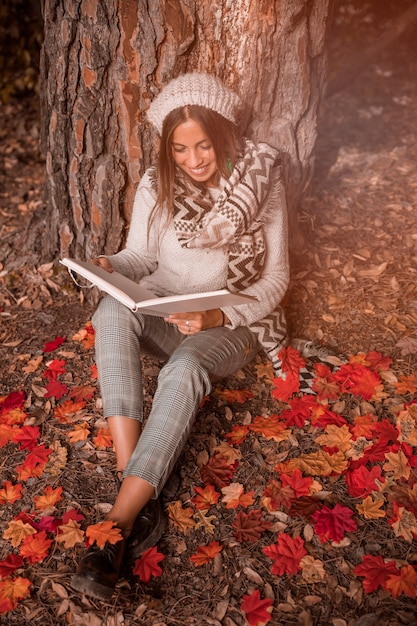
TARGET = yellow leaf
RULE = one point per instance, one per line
(70, 534)
(370, 509)
(17, 531)
(336, 437)
(204, 522)
(229, 452)
(398, 464)
(312, 570)
(181, 517)
(406, 525)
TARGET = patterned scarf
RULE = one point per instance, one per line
(236, 220)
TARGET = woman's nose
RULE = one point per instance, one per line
(194, 158)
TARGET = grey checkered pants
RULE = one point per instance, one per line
(183, 381)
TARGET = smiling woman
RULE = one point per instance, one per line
(194, 153)
(210, 216)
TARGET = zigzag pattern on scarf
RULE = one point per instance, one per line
(271, 332)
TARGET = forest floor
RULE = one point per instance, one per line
(353, 288)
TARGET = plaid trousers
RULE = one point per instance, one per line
(183, 381)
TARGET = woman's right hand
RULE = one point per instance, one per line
(103, 262)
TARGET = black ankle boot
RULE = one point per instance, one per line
(148, 528)
(98, 572)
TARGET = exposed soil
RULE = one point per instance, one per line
(353, 288)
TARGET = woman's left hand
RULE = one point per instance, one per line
(191, 323)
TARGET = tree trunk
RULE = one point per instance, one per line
(104, 61)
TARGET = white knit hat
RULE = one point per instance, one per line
(195, 88)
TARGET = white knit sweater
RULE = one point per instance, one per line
(160, 264)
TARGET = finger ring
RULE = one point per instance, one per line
(187, 323)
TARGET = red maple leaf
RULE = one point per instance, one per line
(14, 400)
(50, 346)
(55, 389)
(378, 361)
(278, 495)
(54, 368)
(324, 384)
(37, 456)
(11, 563)
(375, 572)
(285, 388)
(205, 554)
(217, 471)
(147, 565)
(72, 514)
(286, 554)
(386, 431)
(361, 481)
(257, 611)
(322, 416)
(333, 523)
(299, 484)
(299, 411)
(249, 526)
(27, 437)
(304, 507)
(358, 380)
(291, 360)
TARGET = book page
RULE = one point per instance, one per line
(136, 297)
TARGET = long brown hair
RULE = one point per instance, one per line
(222, 134)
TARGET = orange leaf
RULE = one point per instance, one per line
(80, 433)
(69, 410)
(84, 392)
(405, 582)
(181, 517)
(205, 497)
(104, 532)
(35, 547)
(270, 427)
(205, 554)
(236, 395)
(103, 439)
(238, 434)
(12, 590)
(9, 493)
(49, 498)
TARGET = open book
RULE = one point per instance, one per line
(137, 298)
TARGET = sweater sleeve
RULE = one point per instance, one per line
(139, 257)
(273, 283)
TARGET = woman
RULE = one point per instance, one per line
(211, 215)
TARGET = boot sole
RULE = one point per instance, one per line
(91, 587)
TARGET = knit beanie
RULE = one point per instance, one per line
(194, 88)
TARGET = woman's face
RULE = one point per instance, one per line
(194, 154)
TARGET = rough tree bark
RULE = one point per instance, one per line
(104, 61)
